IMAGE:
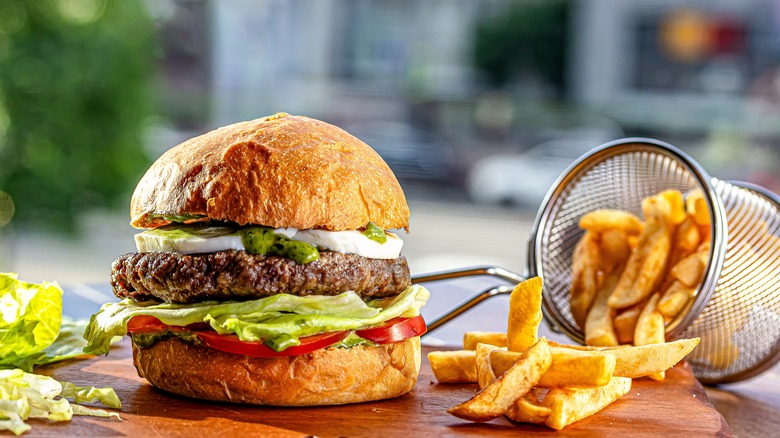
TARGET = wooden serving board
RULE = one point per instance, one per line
(677, 407)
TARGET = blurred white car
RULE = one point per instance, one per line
(523, 179)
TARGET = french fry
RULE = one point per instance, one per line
(570, 405)
(598, 221)
(485, 375)
(625, 323)
(614, 250)
(492, 401)
(599, 329)
(650, 328)
(527, 409)
(674, 299)
(525, 314)
(569, 368)
(471, 339)
(689, 270)
(584, 283)
(687, 237)
(647, 262)
(675, 199)
(454, 366)
(697, 208)
(631, 361)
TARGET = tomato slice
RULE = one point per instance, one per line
(395, 330)
(145, 324)
(150, 324)
(231, 344)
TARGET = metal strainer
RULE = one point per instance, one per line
(736, 309)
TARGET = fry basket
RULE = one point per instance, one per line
(736, 308)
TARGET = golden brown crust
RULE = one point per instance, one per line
(325, 377)
(279, 171)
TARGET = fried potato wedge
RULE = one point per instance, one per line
(647, 262)
(527, 409)
(525, 315)
(496, 398)
(598, 221)
(650, 328)
(676, 202)
(639, 361)
(614, 250)
(697, 208)
(569, 368)
(689, 270)
(674, 299)
(485, 375)
(599, 329)
(454, 366)
(570, 405)
(584, 276)
(625, 323)
(471, 339)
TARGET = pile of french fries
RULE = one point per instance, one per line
(631, 278)
(531, 380)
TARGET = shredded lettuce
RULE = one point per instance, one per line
(24, 395)
(86, 394)
(265, 318)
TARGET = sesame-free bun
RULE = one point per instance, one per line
(278, 171)
(331, 376)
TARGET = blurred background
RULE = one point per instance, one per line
(477, 105)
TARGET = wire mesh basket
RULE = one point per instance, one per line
(736, 308)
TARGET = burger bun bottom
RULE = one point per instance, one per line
(330, 376)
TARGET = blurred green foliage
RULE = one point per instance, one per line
(529, 37)
(74, 94)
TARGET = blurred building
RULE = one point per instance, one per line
(703, 75)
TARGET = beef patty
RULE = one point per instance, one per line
(238, 275)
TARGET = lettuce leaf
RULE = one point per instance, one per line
(265, 318)
(69, 344)
(25, 395)
(86, 394)
(30, 318)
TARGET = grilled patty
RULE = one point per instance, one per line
(237, 275)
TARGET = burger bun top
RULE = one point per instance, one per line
(277, 171)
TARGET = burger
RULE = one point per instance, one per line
(267, 273)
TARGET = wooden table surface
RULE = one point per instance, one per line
(678, 406)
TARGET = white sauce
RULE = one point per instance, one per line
(214, 239)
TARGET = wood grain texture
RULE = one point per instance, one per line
(677, 407)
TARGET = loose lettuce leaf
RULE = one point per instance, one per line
(69, 344)
(25, 395)
(30, 317)
(86, 394)
(259, 319)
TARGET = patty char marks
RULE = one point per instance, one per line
(238, 275)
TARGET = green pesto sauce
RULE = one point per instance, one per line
(375, 233)
(278, 343)
(351, 341)
(263, 240)
(281, 342)
(179, 231)
(146, 340)
(176, 217)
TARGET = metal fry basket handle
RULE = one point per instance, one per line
(458, 310)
